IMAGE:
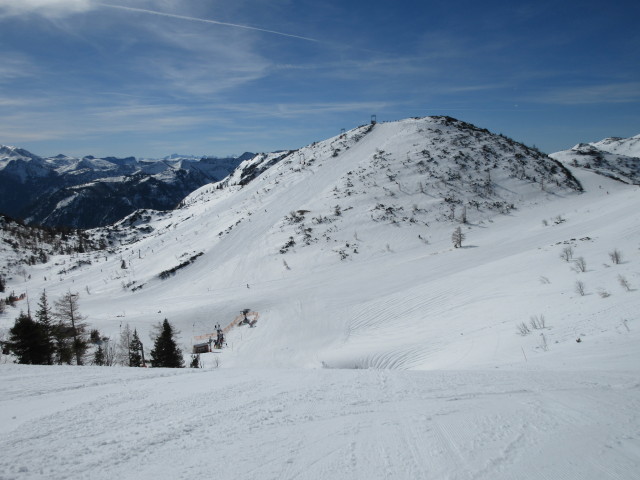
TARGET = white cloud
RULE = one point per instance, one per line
(47, 8)
(199, 62)
(16, 66)
(29, 123)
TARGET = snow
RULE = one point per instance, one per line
(97, 423)
(602, 158)
(400, 361)
(629, 147)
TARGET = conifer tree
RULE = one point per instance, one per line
(63, 344)
(98, 357)
(44, 316)
(165, 351)
(26, 339)
(135, 350)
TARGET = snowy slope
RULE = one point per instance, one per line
(370, 285)
(105, 423)
(381, 351)
(617, 158)
(629, 147)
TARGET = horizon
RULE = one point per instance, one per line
(146, 78)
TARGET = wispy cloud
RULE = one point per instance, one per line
(294, 110)
(14, 66)
(196, 64)
(46, 8)
(206, 20)
(591, 94)
(31, 123)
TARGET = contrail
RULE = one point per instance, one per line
(203, 20)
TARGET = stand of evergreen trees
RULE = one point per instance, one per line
(53, 337)
(58, 336)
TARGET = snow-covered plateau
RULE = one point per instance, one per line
(380, 351)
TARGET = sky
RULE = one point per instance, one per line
(209, 77)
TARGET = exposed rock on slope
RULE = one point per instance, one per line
(410, 174)
(616, 158)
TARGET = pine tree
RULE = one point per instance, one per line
(44, 316)
(63, 344)
(26, 339)
(135, 350)
(165, 351)
(98, 357)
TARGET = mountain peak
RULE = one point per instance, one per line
(8, 152)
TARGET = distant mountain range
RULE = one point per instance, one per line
(89, 192)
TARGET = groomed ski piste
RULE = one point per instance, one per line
(381, 351)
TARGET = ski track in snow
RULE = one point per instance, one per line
(297, 424)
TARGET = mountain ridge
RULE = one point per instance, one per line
(63, 190)
(614, 157)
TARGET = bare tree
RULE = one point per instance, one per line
(123, 349)
(537, 322)
(457, 237)
(463, 215)
(615, 256)
(624, 283)
(581, 264)
(68, 314)
(580, 288)
(523, 329)
(567, 253)
(110, 353)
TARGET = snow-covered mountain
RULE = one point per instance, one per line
(329, 218)
(89, 192)
(381, 350)
(618, 158)
(629, 147)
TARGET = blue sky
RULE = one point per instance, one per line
(153, 77)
